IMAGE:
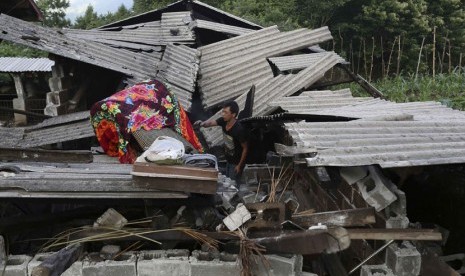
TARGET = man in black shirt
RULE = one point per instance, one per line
(235, 139)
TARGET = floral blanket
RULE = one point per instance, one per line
(149, 105)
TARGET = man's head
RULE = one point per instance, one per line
(230, 111)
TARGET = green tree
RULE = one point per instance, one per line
(54, 12)
(89, 20)
(142, 6)
(120, 14)
(265, 13)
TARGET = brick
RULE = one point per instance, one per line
(124, 265)
(205, 264)
(16, 265)
(403, 259)
(163, 263)
(376, 270)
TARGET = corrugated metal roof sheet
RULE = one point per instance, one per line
(230, 67)
(201, 4)
(310, 101)
(295, 62)
(173, 28)
(342, 103)
(56, 42)
(387, 143)
(218, 27)
(278, 87)
(20, 64)
(179, 66)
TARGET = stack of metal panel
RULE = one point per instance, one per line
(56, 42)
(228, 68)
(277, 88)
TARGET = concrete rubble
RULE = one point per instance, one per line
(327, 190)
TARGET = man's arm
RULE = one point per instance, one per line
(245, 150)
(208, 123)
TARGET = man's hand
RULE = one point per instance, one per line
(198, 124)
(238, 169)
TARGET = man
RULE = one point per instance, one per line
(235, 139)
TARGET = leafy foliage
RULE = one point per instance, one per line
(445, 88)
(54, 12)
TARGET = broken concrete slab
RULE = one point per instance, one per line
(111, 218)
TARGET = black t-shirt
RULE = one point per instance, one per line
(232, 140)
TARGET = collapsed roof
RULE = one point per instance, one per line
(202, 52)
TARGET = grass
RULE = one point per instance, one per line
(449, 89)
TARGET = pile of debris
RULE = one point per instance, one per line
(327, 198)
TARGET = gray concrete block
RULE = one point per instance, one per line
(37, 260)
(403, 259)
(57, 97)
(60, 83)
(374, 190)
(280, 265)
(55, 110)
(74, 270)
(163, 263)
(124, 265)
(58, 71)
(205, 264)
(399, 206)
(16, 265)
(376, 270)
(399, 222)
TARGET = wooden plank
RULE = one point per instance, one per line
(185, 172)
(350, 217)
(93, 195)
(57, 263)
(72, 168)
(176, 184)
(395, 234)
(39, 155)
